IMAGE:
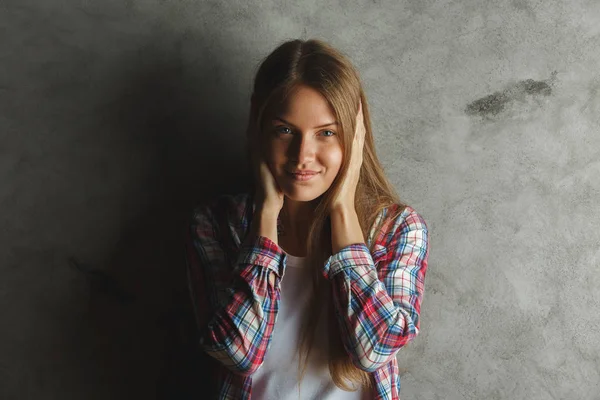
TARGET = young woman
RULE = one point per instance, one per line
(307, 286)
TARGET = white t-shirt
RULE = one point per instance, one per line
(277, 377)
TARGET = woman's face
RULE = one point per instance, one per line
(303, 137)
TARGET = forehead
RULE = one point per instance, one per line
(306, 106)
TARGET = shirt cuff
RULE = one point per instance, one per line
(351, 256)
(264, 252)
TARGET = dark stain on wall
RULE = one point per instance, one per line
(495, 103)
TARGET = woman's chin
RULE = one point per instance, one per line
(303, 195)
(301, 191)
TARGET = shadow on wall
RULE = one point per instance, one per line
(139, 304)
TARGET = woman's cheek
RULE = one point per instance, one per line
(271, 153)
(278, 155)
(335, 158)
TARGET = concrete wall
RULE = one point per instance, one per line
(117, 116)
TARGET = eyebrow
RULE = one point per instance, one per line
(316, 127)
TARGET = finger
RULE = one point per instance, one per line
(360, 123)
(359, 115)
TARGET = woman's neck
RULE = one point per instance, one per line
(297, 217)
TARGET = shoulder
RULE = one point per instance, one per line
(401, 220)
(231, 204)
(410, 218)
(233, 209)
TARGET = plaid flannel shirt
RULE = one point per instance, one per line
(377, 295)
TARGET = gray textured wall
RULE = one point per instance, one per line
(117, 116)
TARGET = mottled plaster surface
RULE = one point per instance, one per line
(117, 116)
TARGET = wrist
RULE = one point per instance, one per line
(265, 223)
(345, 228)
(266, 212)
(264, 206)
(342, 209)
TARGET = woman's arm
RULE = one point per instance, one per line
(238, 332)
(378, 308)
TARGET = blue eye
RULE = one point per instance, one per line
(284, 129)
(279, 129)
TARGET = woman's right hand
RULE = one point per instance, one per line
(268, 200)
(268, 195)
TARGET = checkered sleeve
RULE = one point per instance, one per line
(238, 332)
(378, 306)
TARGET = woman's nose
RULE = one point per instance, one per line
(303, 149)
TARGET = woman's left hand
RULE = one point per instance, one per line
(346, 195)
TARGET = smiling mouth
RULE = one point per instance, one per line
(303, 176)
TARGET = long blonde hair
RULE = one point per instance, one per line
(316, 64)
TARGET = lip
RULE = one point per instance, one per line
(303, 176)
(303, 172)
